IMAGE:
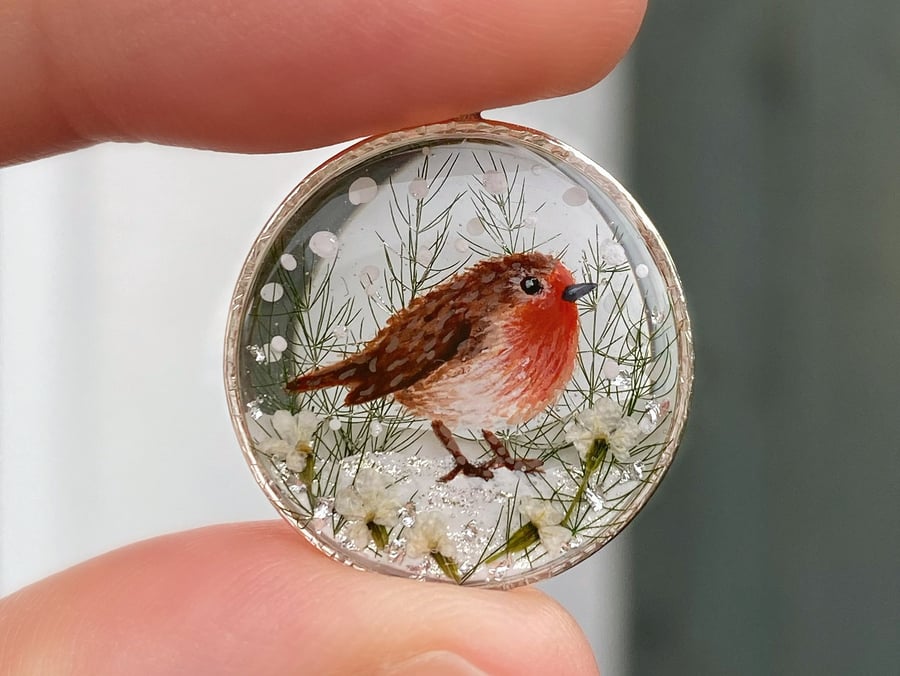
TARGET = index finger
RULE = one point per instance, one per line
(276, 76)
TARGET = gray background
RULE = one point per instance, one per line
(767, 147)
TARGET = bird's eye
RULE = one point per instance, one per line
(531, 285)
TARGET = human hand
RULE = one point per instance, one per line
(255, 598)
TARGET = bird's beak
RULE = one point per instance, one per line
(575, 291)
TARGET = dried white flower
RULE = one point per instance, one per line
(294, 441)
(604, 422)
(429, 536)
(546, 518)
(358, 533)
(612, 252)
(369, 500)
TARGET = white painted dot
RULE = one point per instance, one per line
(271, 355)
(418, 188)
(288, 262)
(362, 190)
(608, 302)
(271, 292)
(324, 244)
(423, 254)
(641, 271)
(339, 332)
(375, 428)
(369, 274)
(334, 424)
(575, 196)
(530, 220)
(475, 227)
(278, 343)
(495, 182)
(461, 245)
(610, 369)
(371, 291)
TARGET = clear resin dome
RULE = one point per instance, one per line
(459, 353)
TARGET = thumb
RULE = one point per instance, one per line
(256, 599)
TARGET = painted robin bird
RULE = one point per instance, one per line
(489, 348)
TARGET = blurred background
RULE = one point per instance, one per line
(766, 144)
(763, 139)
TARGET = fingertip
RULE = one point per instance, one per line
(270, 76)
(594, 40)
(389, 621)
(255, 598)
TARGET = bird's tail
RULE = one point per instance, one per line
(346, 373)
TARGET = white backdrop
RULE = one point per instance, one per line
(116, 268)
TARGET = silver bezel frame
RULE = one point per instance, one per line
(470, 127)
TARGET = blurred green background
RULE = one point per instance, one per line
(767, 149)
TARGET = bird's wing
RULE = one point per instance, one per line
(413, 346)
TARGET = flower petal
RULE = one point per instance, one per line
(429, 535)
(370, 484)
(283, 423)
(541, 513)
(386, 512)
(580, 438)
(604, 415)
(623, 439)
(446, 547)
(306, 423)
(296, 461)
(554, 537)
(277, 448)
(348, 503)
(358, 533)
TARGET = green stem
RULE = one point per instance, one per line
(519, 541)
(592, 462)
(379, 535)
(447, 565)
(309, 473)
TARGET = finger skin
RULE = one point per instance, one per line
(271, 75)
(257, 599)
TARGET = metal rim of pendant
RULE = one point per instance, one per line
(470, 127)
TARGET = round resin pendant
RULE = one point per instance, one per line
(459, 353)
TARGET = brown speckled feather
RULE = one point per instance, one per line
(416, 341)
(450, 322)
(414, 350)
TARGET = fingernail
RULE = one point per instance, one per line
(435, 663)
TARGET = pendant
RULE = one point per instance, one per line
(461, 353)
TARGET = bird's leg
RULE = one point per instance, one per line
(502, 458)
(443, 433)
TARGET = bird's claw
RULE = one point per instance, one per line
(484, 470)
(502, 458)
(526, 465)
(470, 469)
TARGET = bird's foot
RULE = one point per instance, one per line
(462, 464)
(527, 465)
(469, 469)
(485, 469)
(502, 458)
